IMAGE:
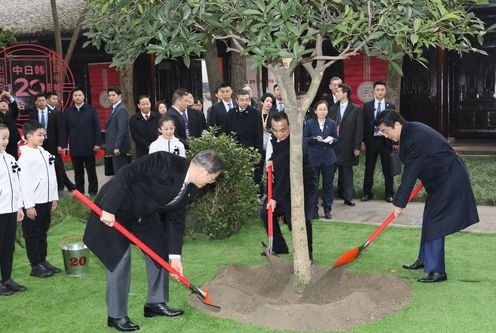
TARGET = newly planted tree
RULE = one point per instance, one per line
(282, 35)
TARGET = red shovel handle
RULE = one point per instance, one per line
(98, 211)
(270, 228)
(391, 216)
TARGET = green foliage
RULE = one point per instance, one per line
(7, 37)
(272, 30)
(221, 208)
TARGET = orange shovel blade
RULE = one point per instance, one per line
(347, 257)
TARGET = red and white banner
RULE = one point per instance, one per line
(101, 78)
(360, 72)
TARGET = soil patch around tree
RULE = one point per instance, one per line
(336, 299)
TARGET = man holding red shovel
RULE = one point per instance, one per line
(450, 204)
(278, 155)
(156, 182)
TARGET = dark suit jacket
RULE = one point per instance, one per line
(180, 131)
(55, 129)
(246, 127)
(450, 205)
(368, 122)
(321, 153)
(143, 132)
(117, 131)
(350, 133)
(217, 115)
(82, 130)
(9, 119)
(135, 195)
(281, 191)
(196, 123)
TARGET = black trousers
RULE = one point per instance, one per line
(345, 182)
(80, 163)
(62, 179)
(377, 147)
(35, 233)
(7, 243)
(279, 244)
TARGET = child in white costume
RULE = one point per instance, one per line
(10, 213)
(40, 195)
(166, 140)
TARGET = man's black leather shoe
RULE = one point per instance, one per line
(123, 324)
(4, 290)
(434, 277)
(349, 203)
(161, 309)
(388, 199)
(14, 286)
(328, 216)
(50, 267)
(365, 198)
(40, 271)
(416, 265)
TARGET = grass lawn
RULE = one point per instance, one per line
(482, 171)
(465, 303)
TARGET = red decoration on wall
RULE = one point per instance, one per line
(29, 70)
(360, 72)
(102, 77)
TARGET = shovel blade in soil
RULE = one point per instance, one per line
(347, 257)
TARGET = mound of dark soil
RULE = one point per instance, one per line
(335, 299)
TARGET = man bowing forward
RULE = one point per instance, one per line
(450, 204)
(158, 182)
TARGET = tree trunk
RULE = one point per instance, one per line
(58, 45)
(75, 36)
(394, 84)
(127, 77)
(238, 71)
(213, 69)
(301, 259)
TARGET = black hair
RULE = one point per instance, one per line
(279, 116)
(39, 96)
(143, 96)
(379, 83)
(388, 117)
(163, 119)
(224, 85)
(115, 89)
(50, 94)
(322, 101)
(264, 97)
(346, 89)
(77, 89)
(3, 126)
(197, 100)
(30, 127)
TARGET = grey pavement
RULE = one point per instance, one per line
(374, 211)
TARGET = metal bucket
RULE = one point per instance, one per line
(76, 256)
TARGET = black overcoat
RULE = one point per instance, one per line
(450, 205)
(281, 191)
(82, 130)
(143, 132)
(350, 133)
(135, 195)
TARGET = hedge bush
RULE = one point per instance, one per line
(220, 209)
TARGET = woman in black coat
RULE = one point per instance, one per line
(450, 205)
